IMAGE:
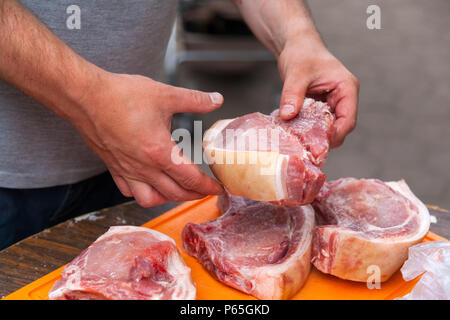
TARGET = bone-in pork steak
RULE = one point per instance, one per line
(127, 263)
(259, 248)
(265, 158)
(366, 226)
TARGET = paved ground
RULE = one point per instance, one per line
(403, 127)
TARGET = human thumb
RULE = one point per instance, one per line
(292, 98)
(194, 101)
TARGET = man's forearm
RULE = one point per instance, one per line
(34, 60)
(275, 22)
(306, 67)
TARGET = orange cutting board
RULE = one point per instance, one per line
(317, 286)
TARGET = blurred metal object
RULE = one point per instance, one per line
(210, 36)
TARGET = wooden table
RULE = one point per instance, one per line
(48, 250)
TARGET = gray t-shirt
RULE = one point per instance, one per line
(40, 149)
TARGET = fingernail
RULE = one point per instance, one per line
(287, 110)
(216, 98)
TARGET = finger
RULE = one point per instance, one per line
(344, 100)
(183, 100)
(189, 176)
(145, 195)
(171, 190)
(292, 97)
(122, 185)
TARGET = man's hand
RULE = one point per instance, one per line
(309, 69)
(126, 121)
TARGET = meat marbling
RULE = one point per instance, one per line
(259, 248)
(127, 263)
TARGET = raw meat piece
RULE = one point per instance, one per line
(126, 263)
(432, 259)
(259, 248)
(226, 201)
(265, 158)
(363, 223)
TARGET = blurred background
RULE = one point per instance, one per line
(403, 126)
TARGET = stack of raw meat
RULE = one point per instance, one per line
(346, 227)
(360, 223)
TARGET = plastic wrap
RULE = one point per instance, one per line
(432, 259)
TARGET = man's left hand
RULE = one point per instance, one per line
(309, 69)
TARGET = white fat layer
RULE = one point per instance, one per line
(72, 283)
(280, 189)
(184, 286)
(128, 229)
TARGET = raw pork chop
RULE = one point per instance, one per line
(265, 158)
(127, 263)
(363, 223)
(256, 247)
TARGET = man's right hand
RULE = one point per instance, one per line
(126, 120)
